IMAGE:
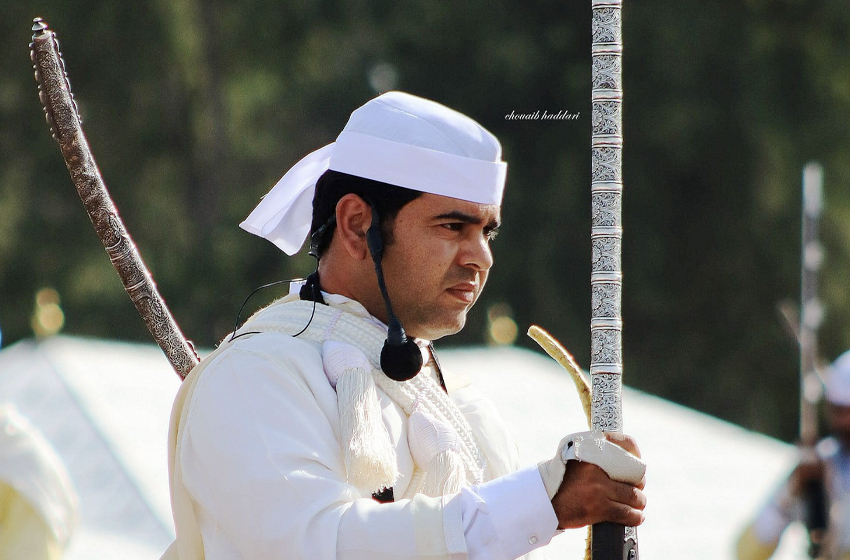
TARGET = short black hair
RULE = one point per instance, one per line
(387, 199)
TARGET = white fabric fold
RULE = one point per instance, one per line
(418, 168)
(514, 509)
(284, 215)
(594, 447)
(591, 447)
(30, 465)
(838, 381)
(434, 445)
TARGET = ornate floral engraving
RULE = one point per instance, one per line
(606, 209)
(605, 300)
(605, 72)
(605, 347)
(605, 256)
(606, 117)
(606, 164)
(606, 25)
(606, 402)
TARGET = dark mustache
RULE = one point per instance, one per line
(463, 276)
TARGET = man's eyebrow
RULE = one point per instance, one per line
(467, 218)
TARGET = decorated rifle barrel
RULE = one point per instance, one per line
(811, 314)
(62, 115)
(811, 311)
(609, 541)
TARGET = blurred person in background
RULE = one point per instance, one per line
(830, 464)
(38, 504)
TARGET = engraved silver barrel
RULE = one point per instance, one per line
(609, 541)
(61, 114)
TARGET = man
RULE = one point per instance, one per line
(831, 464)
(324, 427)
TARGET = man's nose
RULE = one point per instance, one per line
(477, 253)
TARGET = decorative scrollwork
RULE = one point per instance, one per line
(607, 117)
(605, 25)
(606, 72)
(63, 116)
(605, 347)
(606, 209)
(606, 164)
(606, 402)
(605, 256)
(605, 300)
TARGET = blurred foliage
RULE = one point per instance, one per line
(194, 108)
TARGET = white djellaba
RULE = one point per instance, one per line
(838, 381)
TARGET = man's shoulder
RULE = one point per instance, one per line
(277, 350)
(259, 360)
(262, 367)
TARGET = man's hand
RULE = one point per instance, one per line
(588, 496)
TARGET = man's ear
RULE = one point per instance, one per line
(353, 218)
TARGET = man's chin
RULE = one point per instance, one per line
(440, 329)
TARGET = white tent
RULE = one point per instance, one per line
(105, 406)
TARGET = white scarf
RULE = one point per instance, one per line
(445, 454)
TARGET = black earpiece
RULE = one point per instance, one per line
(401, 358)
(311, 291)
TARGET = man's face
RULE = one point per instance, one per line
(437, 262)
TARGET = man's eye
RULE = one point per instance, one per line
(454, 226)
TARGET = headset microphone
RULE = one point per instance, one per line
(401, 358)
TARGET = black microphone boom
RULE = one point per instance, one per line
(401, 358)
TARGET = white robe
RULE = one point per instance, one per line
(256, 464)
(38, 503)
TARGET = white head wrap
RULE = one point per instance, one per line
(838, 382)
(396, 138)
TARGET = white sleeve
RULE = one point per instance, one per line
(783, 509)
(507, 517)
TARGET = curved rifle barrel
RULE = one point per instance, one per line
(609, 541)
(63, 117)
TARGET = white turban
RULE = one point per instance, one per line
(838, 382)
(396, 138)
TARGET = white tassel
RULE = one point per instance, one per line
(370, 458)
(446, 474)
(434, 445)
